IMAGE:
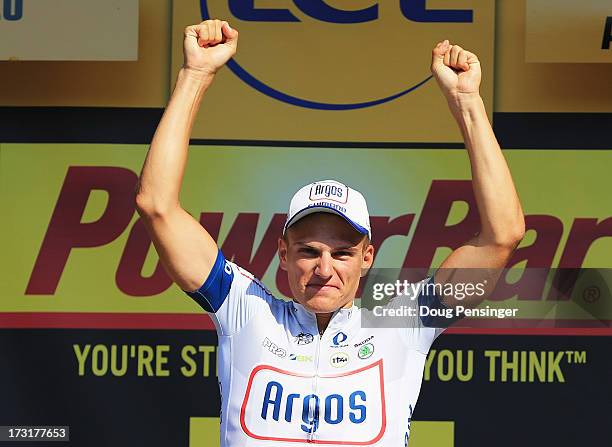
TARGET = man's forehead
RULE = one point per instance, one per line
(321, 219)
(324, 228)
(316, 243)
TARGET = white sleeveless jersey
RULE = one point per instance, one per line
(283, 385)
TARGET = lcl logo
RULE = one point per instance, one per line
(414, 10)
(319, 10)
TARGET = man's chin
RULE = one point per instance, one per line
(322, 303)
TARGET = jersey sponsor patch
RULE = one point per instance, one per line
(346, 408)
(304, 338)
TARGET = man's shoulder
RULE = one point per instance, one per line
(252, 285)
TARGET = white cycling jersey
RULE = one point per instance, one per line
(283, 385)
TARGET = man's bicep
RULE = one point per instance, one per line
(477, 255)
(185, 248)
(475, 264)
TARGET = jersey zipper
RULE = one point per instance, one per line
(315, 384)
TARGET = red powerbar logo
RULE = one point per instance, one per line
(66, 232)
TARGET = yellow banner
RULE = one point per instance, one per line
(205, 431)
(519, 86)
(315, 71)
(72, 241)
(569, 31)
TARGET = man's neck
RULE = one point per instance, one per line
(323, 319)
(322, 322)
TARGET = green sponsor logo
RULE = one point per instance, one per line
(365, 351)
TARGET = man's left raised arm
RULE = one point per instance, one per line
(502, 224)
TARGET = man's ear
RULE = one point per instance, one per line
(282, 253)
(368, 259)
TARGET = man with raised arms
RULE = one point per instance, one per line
(307, 370)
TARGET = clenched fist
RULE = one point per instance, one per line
(209, 45)
(456, 70)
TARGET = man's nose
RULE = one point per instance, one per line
(324, 266)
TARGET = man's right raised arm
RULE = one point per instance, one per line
(185, 248)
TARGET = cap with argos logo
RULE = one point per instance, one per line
(330, 196)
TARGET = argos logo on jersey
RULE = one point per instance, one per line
(281, 405)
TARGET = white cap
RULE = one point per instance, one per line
(330, 196)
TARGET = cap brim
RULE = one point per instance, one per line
(325, 209)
